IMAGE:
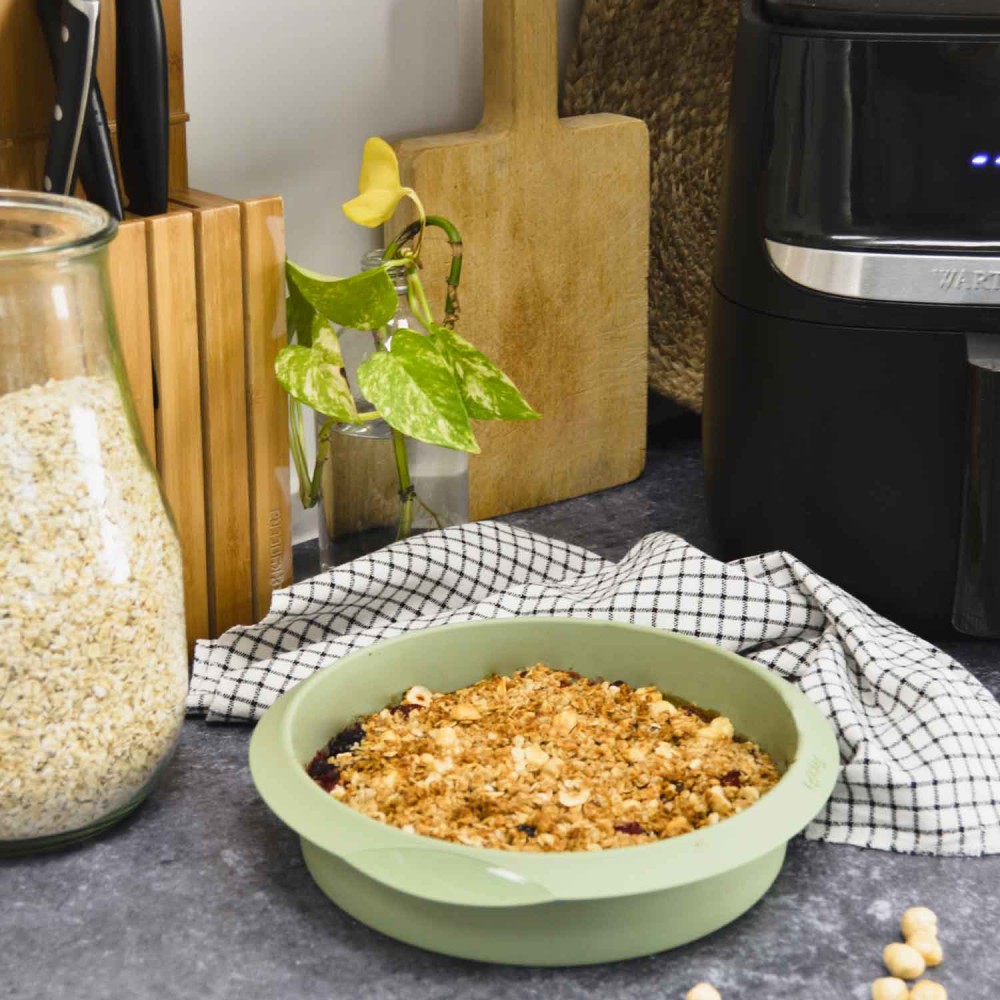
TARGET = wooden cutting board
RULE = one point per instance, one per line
(554, 214)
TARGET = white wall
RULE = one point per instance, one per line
(283, 95)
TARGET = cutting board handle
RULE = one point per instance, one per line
(520, 64)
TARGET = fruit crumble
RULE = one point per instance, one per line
(545, 760)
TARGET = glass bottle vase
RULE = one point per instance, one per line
(361, 500)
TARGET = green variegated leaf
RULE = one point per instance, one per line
(413, 387)
(300, 316)
(325, 342)
(365, 301)
(488, 393)
(310, 376)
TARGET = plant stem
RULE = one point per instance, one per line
(322, 451)
(414, 229)
(418, 300)
(296, 441)
(438, 523)
(421, 308)
(406, 491)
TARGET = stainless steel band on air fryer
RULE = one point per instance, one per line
(890, 277)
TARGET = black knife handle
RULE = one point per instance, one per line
(96, 159)
(143, 105)
(77, 50)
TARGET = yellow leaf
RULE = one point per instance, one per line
(379, 189)
(379, 167)
(373, 208)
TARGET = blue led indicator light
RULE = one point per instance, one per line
(981, 159)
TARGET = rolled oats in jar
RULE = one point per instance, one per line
(93, 674)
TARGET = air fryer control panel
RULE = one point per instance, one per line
(884, 141)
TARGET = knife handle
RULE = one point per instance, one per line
(77, 51)
(96, 158)
(143, 105)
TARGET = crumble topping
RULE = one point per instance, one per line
(545, 760)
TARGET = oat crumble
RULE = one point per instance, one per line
(545, 760)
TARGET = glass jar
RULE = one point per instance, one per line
(93, 674)
(360, 497)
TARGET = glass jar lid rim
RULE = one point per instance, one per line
(58, 224)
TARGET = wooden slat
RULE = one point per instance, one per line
(267, 409)
(219, 271)
(27, 89)
(130, 292)
(174, 324)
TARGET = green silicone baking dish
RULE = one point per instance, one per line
(558, 908)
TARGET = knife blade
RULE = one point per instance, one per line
(95, 159)
(75, 74)
(143, 105)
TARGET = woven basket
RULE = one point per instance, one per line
(667, 62)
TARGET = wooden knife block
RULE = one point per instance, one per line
(199, 301)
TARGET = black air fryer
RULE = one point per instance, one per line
(852, 398)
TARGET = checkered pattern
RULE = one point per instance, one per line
(919, 736)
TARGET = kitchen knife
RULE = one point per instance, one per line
(95, 160)
(77, 54)
(97, 157)
(143, 105)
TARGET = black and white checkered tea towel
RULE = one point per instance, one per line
(919, 736)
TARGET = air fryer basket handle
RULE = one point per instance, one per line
(977, 590)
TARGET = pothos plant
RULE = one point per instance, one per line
(426, 385)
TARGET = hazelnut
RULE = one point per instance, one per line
(417, 695)
(564, 722)
(570, 797)
(928, 945)
(889, 988)
(445, 736)
(903, 961)
(720, 728)
(535, 756)
(718, 801)
(662, 708)
(703, 991)
(552, 767)
(918, 918)
(635, 754)
(928, 990)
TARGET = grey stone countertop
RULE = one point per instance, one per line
(203, 892)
